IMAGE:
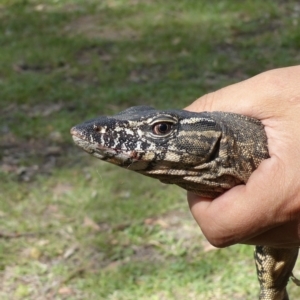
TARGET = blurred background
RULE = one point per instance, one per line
(72, 227)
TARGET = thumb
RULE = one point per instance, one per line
(230, 99)
(257, 97)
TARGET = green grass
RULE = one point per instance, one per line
(75, 228)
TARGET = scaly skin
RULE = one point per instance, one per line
(206, 153)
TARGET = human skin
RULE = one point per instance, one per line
(267, 209)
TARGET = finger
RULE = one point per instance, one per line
(243, 212)
(284, 236)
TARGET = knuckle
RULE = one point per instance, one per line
(278, 82)
(219, 242)
(219, 239)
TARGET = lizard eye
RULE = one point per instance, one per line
(162, 128)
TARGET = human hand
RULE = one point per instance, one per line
(267, 209)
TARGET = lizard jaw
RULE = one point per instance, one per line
(103, 153)
(88, 147)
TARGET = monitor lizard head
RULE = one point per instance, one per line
(142, 136)
(175, 146)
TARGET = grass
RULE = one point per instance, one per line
(75, 228)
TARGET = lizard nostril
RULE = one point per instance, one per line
(98, 128)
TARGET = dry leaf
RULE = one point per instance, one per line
(64, 290)
(91, 224)
(69, 252)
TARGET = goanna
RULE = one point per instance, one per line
(206, 153)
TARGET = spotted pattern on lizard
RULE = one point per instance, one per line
(206, 153)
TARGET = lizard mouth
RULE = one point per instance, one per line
(115, 156)
(88, 146)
